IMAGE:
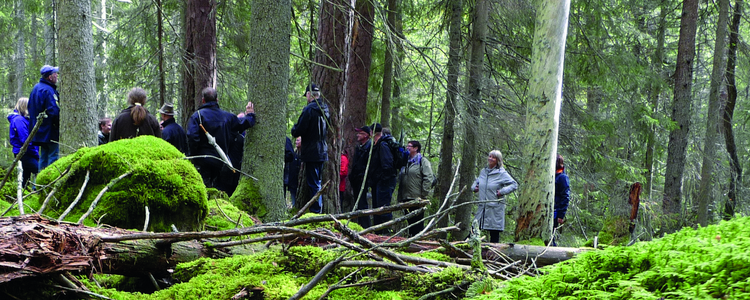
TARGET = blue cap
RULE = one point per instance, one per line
(48, 70)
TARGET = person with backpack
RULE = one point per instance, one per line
(415, 182)
(382, 175)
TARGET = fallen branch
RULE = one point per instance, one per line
(309, 203)
(99, 196)
(78, 198)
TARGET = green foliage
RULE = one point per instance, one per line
(169, 185)
(218, 212)
(710, 262)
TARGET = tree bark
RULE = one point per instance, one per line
(330, 74)
(50, 33)
(712, 116)
(199, 61)
(445, 172)
(20, 68)
(658, 61)
(390, 40)
(160, 34)
(467, 169)
(735, 173)
(542, 121)
(78, 122)
(682, 111)
(269, 74)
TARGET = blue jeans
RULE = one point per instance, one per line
(313, 170)
(48, 153)
(381, 196)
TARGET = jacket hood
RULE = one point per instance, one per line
(320, 104)
(13, 115)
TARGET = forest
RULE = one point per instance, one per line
(630, 92)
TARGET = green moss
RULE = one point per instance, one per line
(710, 262)
(248, 198)
(161, 179)
(217, 220)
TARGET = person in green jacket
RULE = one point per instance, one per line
(415, 182)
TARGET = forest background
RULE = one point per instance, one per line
(623, 102)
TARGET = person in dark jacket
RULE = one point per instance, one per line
(293, 164)
(382, 175)
(43, 99)
(562, 192)
(172, 132)
(492, 185)
(134, 120)
(357, 172)
(221, 125)
(312, 126)
(105, 127)
(19, 132)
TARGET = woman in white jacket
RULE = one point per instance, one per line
(492, 185)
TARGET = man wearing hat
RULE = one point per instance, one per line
(43, 99)
(172, 132)
(312, 126)
(357, 172)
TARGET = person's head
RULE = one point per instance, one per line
(298, 142)
(560, 164)
(312, 92)
(105, 125)
(414, 147)
(495, 159)
(50, 73)
(22, 106)
(137, 98)
(209, 95)
(167, 111)
(387, 131)
(363, 134)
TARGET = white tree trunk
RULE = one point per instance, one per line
(543, 113)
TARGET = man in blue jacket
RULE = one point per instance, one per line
(222, 125)
(312, 126)
(43, 99)
(172, 132)
(562, 192)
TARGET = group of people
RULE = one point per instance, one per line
(210, 130)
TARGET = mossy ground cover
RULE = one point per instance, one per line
(707, 263)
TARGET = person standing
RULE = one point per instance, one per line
(343, 173)
(312, 126)
(221, 125)
(492, 185)
(19, 132)
(357, 172)
(415, 183)
(171, 131)
(562, 192)
(292, 157)
(105, 127)
(43, 99)
(382, 175)
(134, 120)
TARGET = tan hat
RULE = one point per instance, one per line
(167, 109)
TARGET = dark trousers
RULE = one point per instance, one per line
(313, 170)
(382, 192)
(494, 235)
(30, 165)
(416, 224)
(356, 187)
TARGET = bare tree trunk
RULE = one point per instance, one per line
(50, 33)
(160, 33)
(269, 73)
(391, 36)
(454, 62)
(542, 121)
(20, 67)
(735, 173)
(658, 61)
(329, 73)
(78, 122)
(200, 53)
(467, 169)
(712, 117)
(682, 111)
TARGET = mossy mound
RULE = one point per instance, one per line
(707, 263)
(160, 178)
(222, 215)
(281, 274)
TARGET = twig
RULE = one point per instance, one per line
(309, 203)
(145, 223)
(337, 287)
(57, 183)
(99, 196)
(348, 232)
(253, 240)
(380, 264)
(225, 163)
(82, 292)
(438, 293)
(318, 277)
(225, 215)
(9, 207)
(80, 193)
(19, 189)
(153, 281)
(392, 222)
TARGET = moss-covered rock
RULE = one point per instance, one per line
(160, 178)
